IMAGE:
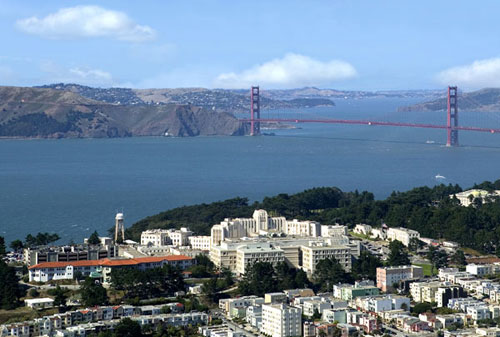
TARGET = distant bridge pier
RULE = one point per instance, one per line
(254, 111)
(452, 117)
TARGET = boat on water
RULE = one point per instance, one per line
(438, 176)
(430, 142)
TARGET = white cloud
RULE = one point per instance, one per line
(479, 74)
(293, 70)
(93, 74)
(86, 21)
(55, 73)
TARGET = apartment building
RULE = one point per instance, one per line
(229, 304)
(317, 251)
(387, 277)
(302, 228)
(200, 242)
(249, 254)
(281, 320)
(34, 256)
(435, 291)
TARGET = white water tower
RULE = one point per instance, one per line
(119, 228)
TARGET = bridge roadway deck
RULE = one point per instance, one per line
(365, 122)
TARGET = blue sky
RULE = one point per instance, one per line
(360, 45)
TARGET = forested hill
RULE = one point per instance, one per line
(428, 210)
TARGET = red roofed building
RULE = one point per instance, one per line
(47, 271)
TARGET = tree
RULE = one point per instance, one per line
(209, 289)
(94, 239)
(330, 272)
(41, 239)
(59, 296)
(2, 246)
(398, 256)
(366, 266)
(16, 245)
(458, 258)
(415, 244)
(258, 280)
(420, 308)
(227, 278)
(93, 293)
(148, 283)
(127, 328)
(437, 257)
(34, 293)
(10, 289)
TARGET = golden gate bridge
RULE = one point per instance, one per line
(452, 127)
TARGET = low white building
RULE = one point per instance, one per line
(39, 303)
(229, 304)
(313, 306)
(468, 197)
(154, 237)
(363, 229)
(165, 237)
(404, 235)
(47, 271)
(482, 269)
(281, 320)
(333, 230)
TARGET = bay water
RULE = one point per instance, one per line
(75, 186)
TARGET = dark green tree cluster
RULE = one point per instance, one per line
(329, 272)
(437, 257)
(60, 296)
(94, 239)
(3, 250)
(398, 254)
(429, 210)
(16, 245)
(203, 267)
(262, 278)
(365, 267)
(149, 283)
(212, 288)
(41, 239)
(458, 258)
(10, 290)
(93, 293)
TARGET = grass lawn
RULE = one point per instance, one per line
(23, 314)
(427, 269)
(471, 251)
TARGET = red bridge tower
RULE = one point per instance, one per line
(255, 112)
(452, 117)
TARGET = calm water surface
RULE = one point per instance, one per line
(75, 186)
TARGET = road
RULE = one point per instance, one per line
(49, 286)
(394, 332)
(218, 314)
